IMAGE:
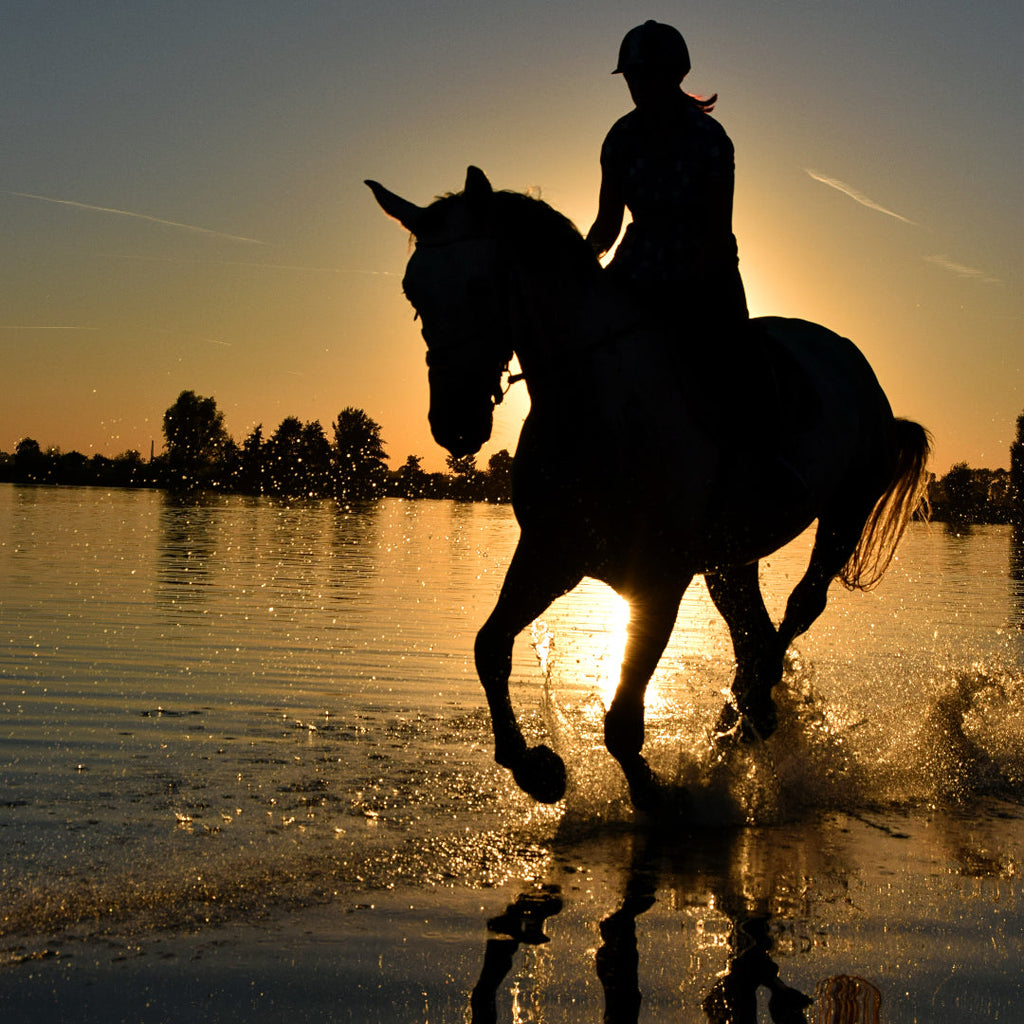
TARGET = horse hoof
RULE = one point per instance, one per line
(728, 719)
(541, 773)
(748, 723)
(758, 722)
(645, 791)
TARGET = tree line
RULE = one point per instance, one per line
(300, 460)
(966, 495)
(296, 460)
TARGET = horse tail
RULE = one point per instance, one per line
(905, 496)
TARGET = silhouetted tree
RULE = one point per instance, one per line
(410, 481)
(252, 463)
(316, 459)
(969, 495)
(961, 493)
(468, 482)
(71, 468)
(499, 476)
(359, 455)
(1016, 496)
(195, 439)
(283, 458)
(30, 464)
(128, 470)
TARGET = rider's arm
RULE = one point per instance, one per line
(611, 208)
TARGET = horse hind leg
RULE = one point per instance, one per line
(736, 594)
(834, 543)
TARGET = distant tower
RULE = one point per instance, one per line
(151, 451)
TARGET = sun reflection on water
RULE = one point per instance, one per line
(616, 616)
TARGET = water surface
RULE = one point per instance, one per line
(215, 712)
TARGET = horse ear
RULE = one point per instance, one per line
(477, 185)
(407, 214)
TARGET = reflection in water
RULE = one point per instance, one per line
(745, 925)
(722, 870)
(733, 1000)
(355, 558)
(957, 528)
(285, 548)
(187, 546)
(847, 999)
(522, 923)
(1017, 572)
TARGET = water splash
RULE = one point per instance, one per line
(947, 740)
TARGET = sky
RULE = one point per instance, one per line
(182, 202)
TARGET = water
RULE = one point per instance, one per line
(215, 712)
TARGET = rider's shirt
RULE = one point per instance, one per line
(677, 182)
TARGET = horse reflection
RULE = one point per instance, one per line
(719, 859)
(521, 924)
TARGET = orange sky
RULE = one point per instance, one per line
(182, 201)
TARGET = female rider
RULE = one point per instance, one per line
(672, 165)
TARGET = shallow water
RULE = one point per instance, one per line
(214, 713)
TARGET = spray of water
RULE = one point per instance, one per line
(946, 740)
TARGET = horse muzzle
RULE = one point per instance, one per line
(459, 422)
(461, 435)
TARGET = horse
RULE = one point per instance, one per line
(627, 472)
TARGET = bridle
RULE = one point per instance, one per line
(454, 352)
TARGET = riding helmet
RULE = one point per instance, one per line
(653, 45)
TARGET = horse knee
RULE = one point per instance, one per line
(805, 604)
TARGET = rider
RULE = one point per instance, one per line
(671, 164)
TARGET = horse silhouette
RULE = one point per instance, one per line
(635, 469)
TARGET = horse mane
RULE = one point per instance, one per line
(537, 233)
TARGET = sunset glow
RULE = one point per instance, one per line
(183, 204)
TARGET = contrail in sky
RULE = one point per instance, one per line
(857, 197)
(958, 268)
(940, 261)
(138, 216)
(252, 263)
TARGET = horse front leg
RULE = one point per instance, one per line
(652, 616)
(534, 579)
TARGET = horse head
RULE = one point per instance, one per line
(455, 284)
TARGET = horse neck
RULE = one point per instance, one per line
(555, 326)
(565, 326)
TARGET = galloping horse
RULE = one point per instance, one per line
(626, 473)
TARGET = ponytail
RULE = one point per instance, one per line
(705, 104)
